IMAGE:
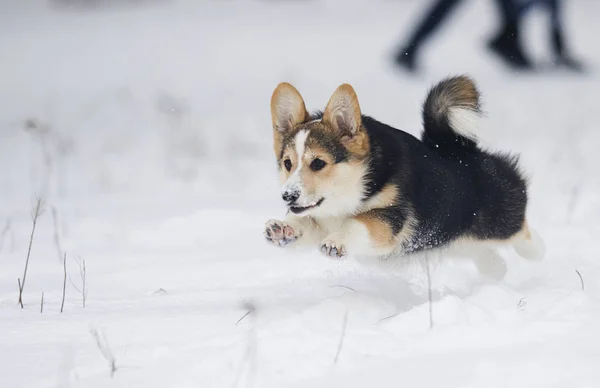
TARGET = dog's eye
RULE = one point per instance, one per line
(317, 164)
(288, 164)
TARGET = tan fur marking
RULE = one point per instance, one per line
(277, 143)
(525, 231)
(467, 90)
(523, 234)
(358, 145)
(387, 197)
(379, 231)
(315, 179)
(464, 92)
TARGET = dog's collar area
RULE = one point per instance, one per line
(298, 209)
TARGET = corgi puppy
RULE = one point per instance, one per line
(356, 186)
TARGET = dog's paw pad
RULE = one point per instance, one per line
(332, 249)
(279, 233)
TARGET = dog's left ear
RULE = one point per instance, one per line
(343, 112)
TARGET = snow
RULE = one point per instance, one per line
(146, 126)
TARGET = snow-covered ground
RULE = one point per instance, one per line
(146, 129)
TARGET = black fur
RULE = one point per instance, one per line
(450, 185)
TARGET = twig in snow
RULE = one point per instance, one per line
(36, 212)
(429, 292)
(82, 275)
(42, 303)
(243, 316)
(250, 352)
(20, 288)
(388, 317)
(4, 233)
(59, 250)
(62, 305)
(580, 278)
(341, 343)
(84, 288)
(104, 348)
(73, 283)
(342, 286)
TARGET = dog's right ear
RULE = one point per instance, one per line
(287, 108)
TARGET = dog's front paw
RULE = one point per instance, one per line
(280, 234)
(333, 246)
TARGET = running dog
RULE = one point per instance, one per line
(356, 186)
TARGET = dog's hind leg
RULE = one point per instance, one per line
(484, 255)
(489, 263)
(528, 244)
(486, 258)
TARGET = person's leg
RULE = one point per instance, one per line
(432, 19)
(562, 57)
(556, 27)
(506, 43)
(525, 6)
(508, 10)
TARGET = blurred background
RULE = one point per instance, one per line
(145, 127)
(141, 102)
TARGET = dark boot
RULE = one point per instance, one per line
(406, 59)
(562, 58)
(507, 46)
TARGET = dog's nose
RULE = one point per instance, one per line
(290, 196)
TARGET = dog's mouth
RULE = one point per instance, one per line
(302, 209)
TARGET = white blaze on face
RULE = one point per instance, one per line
(294, 182)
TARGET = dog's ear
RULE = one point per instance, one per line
(343, 111)
(287, 108)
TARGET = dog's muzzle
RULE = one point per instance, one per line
(290, 196)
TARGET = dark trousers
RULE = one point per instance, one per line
(441, 9)
(555, 9)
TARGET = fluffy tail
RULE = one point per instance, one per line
(451, 114)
